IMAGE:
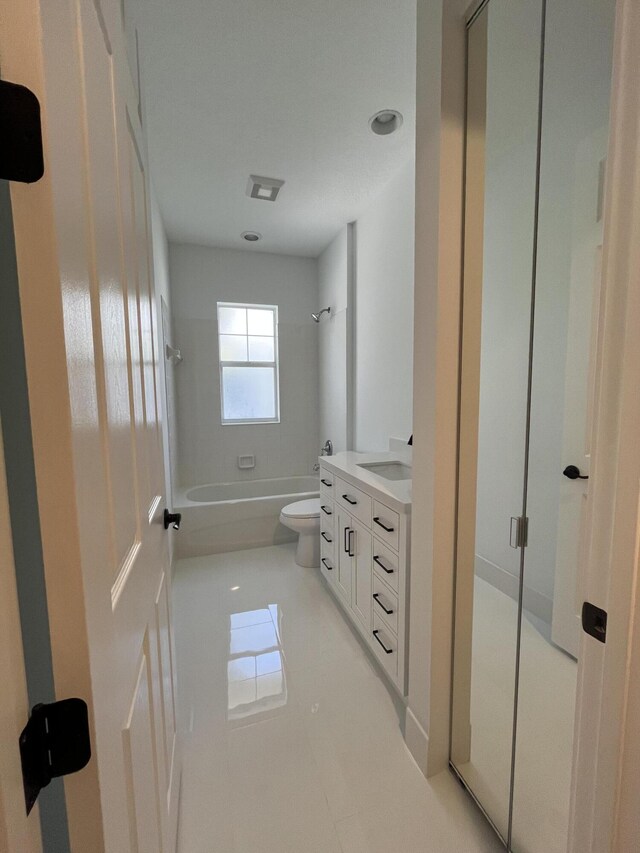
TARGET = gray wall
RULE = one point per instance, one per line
(335, 341)
(207, 451)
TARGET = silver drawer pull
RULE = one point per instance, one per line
(387, 651)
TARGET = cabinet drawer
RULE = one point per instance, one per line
(327, 513)
(327, 536)
(327, 482)
(386, 564)
(327, 561)
(385, 523)
(385, 603)
(385, 646)
(356, 502)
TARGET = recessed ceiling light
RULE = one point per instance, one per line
(266, 189)
(251, 236)
(385, 122)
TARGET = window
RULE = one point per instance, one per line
(248, 351)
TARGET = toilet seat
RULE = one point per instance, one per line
(303, 509)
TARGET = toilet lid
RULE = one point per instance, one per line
(303, 509)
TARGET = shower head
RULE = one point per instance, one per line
(316, 317)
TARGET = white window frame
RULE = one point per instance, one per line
(275, 364)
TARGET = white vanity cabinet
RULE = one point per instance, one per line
(354, 566)
(365, 547)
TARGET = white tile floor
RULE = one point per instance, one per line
(293, 743)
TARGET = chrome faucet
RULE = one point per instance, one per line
(327, 450)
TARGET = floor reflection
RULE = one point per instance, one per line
(256, 680)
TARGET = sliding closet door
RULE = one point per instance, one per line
(573, 152)
(504, 53)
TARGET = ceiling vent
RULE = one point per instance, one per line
(266, 189)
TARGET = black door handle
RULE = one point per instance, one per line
(325, 510)
(172, 519)
(376, 598)
(325, 537)
(573, 473)
(326, 565)
(346, 535)
(326, 483)
(383, 526)
(382, 565)
(349, 501)
(388, 651)
(351, 550)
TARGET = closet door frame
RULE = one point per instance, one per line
(605, 803)
(469, 400)
(605, 812)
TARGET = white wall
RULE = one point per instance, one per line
(207, 451)
(384, 315)
(334, 341)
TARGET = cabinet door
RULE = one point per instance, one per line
(344, 555)
(361, 548)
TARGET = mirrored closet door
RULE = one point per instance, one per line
(538, 93)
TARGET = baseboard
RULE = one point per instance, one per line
(417, 740)
(535, 602)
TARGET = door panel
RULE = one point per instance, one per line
(109, 298)
(504, 49)
(566, 329)
(142, 765)
(128, 415)
(167, 699)
(86, 281)
(361, 603)
(344, 560)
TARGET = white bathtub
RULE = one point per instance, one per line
(232, 516)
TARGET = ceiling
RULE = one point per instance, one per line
(277, 88)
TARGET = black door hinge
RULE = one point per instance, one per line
(594, 621)
(55, 742)
(21, 155)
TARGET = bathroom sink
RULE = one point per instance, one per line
(388, 470)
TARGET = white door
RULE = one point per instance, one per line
(18, 833)
(344, 558)
(362, 550)
(91, 344)
(580, 381)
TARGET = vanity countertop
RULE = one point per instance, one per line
(396, 494)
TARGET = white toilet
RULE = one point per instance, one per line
(304, 518)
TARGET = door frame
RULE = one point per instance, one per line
(32, 36)
(606, 790)
(19, 833)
